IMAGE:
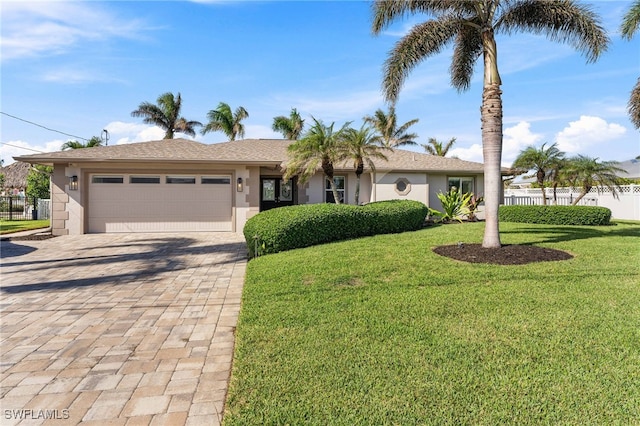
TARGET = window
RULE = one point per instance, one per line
(339, 181)
(107, 179)
(181, 179)
(402, 186)
(462, 184)
(215, 180)
(144, 179)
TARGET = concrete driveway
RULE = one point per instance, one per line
(134, 329)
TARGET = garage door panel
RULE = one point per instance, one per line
(160, 207)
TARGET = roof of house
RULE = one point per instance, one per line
(632, 167)
(15, 174)
(247, 151)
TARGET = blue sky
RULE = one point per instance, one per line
(80, 67)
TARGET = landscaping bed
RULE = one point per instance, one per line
(506, 255)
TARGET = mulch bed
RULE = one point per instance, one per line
(505, 255)
(35, 237)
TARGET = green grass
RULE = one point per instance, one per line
(10, 226)
(381, 330)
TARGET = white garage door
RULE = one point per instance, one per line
(159, 203)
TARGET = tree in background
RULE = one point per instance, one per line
(630, 24)
(386, 124)
(586, 173)
(318, 148)
(470, 26)
(226, 121)
(38, 181)
(166, 115)
(542, 162)
(290, 127)
(93, 142)
(361, 147)
(434, 147)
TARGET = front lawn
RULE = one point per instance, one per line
(11, 226)
(381, 330)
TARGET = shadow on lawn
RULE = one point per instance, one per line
(557, 234)
(139, 260)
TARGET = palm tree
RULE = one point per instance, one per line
(471, 26)
(226, 121)
(542, 161)
(361, 146)
(387, 125)
(434, 147)
(94, 141)
(557, 176)
(290, 127)
(166, 115)
(586, 173)
(630, 24)
(319, 147)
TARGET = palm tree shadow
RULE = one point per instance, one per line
(11, 249)
(120, 268)
(557, 234)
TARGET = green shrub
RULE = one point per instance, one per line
(306, 225)
(556, 215)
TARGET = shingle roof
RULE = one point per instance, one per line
(248, 151)
(15, 174)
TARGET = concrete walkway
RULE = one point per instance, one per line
(134, 329)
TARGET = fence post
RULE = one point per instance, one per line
(34, 209)
(10, 208)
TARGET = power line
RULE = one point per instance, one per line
(22, 147)
(44, 127)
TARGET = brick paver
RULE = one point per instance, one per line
(118, 329)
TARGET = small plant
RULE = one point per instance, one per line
(474, 203)
(454, 204)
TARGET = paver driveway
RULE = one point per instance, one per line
(119, 329)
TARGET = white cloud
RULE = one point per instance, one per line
(123, 133)
(354, 106)
(515, 139)
(17, 148)
(76, 76)
(255, 131)
(586, 132)
(34, 28)
(473, 153)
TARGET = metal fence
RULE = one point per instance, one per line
(24, 208)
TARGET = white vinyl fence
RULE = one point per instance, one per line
(44, 209)
(626, 206)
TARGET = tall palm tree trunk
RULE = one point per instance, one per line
(540, 178)
(327, 168)
(491, 116)
(585, 191)
(359, 171)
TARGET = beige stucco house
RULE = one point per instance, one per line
(179, 185)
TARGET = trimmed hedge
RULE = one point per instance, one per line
(287, 228)
(556, 215)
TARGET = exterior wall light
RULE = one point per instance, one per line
(239, 186)
(73, 183)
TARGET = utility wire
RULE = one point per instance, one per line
(22, 147)
(44, 127)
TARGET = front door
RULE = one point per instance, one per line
(276, 192)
